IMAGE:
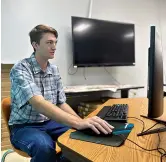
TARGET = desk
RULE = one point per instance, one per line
(81, 151)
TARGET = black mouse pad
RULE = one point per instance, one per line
(112, 140)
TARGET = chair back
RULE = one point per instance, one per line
(5, 106)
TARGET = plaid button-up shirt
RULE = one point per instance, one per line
(28, 80)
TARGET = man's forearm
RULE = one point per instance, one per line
(53, 112)
(65, 107)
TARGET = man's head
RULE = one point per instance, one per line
(44, 39)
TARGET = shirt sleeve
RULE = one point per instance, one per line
(23, 86)
(61, 97)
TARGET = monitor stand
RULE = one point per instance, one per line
(157, 130)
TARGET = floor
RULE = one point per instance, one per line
(14, 157)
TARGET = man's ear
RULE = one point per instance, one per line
(34, 45)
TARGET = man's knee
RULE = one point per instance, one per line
(35, 143)
(40, 147)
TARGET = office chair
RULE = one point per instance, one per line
(5, 105)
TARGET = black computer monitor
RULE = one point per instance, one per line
(102, 43)
(155, 82)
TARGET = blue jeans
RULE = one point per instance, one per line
(37, 139)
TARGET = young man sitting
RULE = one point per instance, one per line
(39, 112)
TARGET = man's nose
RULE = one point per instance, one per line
(54, 46)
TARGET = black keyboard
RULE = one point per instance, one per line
(116, 112)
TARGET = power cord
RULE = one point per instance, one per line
(116, 82)
(163, 154)
(72, 73)
(143, 129)
(141, 121)
(159, 145)
(158, 149)
(161, 159)
(76, 71)
(84, 73)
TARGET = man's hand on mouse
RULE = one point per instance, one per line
(96, 124)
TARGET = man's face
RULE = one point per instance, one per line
(47, 46)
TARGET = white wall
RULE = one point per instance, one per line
(162, 24)
(162, 27)
(21, 16)
(142, 13)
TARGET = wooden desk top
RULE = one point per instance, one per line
(129, 152)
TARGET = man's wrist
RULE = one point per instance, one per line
(76, 123)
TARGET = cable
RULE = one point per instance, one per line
(90, 9)
(157, 149)
(163, 154)
(159, 145)
(141, 121)
(161, 159)
(112, 76)
(137, 144)
(144, 124)
(84, 73)
(69, 70)
(151, 127)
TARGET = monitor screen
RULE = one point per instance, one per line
(102, 43)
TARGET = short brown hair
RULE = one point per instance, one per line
(37, 32)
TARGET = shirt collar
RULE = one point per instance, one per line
(36, 67)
